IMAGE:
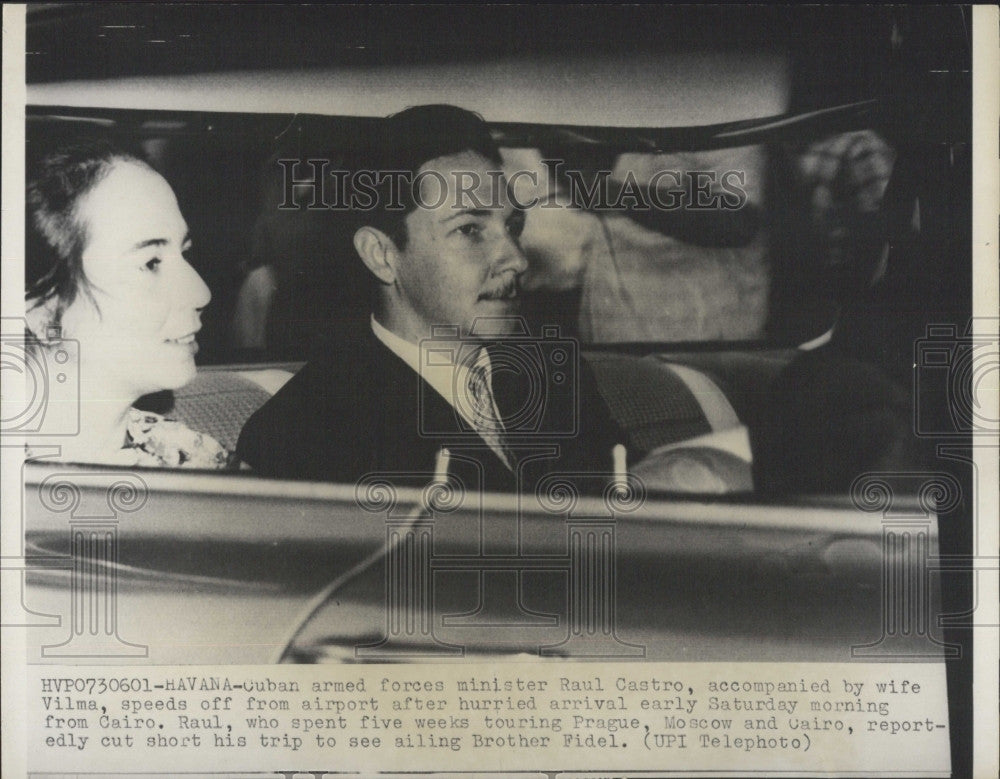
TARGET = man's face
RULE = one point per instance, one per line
(462, 257)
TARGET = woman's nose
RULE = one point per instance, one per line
(192, 289)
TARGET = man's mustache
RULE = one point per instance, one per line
(504, 290)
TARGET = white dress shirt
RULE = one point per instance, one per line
(445, 371)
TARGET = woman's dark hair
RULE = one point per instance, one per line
(54, 235)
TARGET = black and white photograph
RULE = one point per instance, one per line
(500, 390)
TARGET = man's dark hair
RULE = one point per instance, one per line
(407, 140)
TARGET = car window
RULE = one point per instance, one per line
(623, 246)
(721, 246)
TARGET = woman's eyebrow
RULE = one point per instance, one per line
(149, 242)
(158, 242)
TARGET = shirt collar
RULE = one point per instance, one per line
(446, 374)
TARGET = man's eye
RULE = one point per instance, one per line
(153, 264)
(470, 230)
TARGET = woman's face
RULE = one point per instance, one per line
(140, 336)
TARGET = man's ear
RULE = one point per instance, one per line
(377, 252)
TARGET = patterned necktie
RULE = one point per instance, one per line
(486, 418)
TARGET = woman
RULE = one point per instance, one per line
(107, 267)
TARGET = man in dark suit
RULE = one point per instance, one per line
(444, 362)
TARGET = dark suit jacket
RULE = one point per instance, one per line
(359, 409)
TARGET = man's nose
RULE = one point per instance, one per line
(191, 288)
(511, 255)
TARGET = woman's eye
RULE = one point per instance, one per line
(153, 264)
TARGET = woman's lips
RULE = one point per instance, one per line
(186, 342)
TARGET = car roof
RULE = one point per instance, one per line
(612, 91)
